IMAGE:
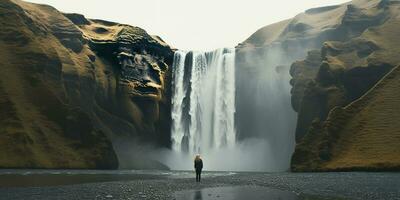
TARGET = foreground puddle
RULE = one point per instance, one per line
(240, 193)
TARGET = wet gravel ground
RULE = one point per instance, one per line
(363, 186)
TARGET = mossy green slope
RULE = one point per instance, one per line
(64, 100)
(351, 47)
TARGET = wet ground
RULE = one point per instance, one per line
(85, 184)
(240, 193)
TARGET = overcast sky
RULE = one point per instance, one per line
(192, 24)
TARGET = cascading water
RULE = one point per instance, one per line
(203, 101)
(233, 108)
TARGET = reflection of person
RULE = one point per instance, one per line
(198, 166)
(197, 195)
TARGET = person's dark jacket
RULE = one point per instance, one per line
(198, 164)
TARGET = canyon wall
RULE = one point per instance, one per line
(340, 126)
(318, 91)
(338, 53)
(76, 92)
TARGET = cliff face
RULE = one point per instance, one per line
(363, 135)
(71, 86)
(342, 52)
(348, 70)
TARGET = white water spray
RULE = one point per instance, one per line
(177, 101)
(204, 92)
(238, 118)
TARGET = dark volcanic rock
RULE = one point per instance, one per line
(77, 19)
(358, 45)
(73, 87)
(348, 70)
(344, 75)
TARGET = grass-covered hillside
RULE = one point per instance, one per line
(339, 54)
(70, 88)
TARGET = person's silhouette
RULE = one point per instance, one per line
(198, 166)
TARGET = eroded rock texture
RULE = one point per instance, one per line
(72, 87)
(342, 52)
(346, 70)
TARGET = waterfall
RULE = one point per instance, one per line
(233, 109)
(177, 100)
(203, 101)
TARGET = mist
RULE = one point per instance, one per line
(248, 155)
(264, 120)
(264, 124)
(264, 109)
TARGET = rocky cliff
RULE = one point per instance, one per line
(82, 93)
(339, 53)
(72, 87)
(346, 72)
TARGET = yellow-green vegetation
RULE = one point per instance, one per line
(63, 97)
(359, 136)
(363, 135)
(38, 128)
(350, 47)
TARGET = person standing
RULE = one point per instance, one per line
(198, 166)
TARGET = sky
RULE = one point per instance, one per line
(192, 24)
